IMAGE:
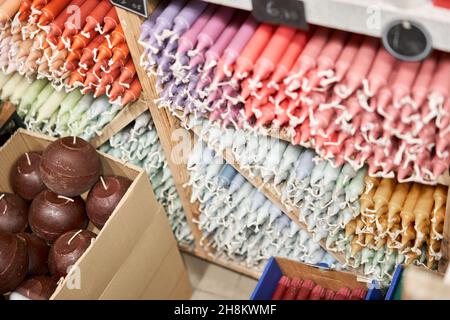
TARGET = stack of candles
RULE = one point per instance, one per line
(47, 200)
(56, 113)
(139, 144)
(407, 217)
(342, 94)
(72, 43)
(239, 223)
(353, 213)
(298, 289)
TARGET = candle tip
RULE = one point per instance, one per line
(2, 196)
(74, 139)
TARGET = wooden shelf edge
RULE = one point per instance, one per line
(121, 120)
(164, 122)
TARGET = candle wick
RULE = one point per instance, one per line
(28, 158)
(73, 237)
(103, 182)
(74, 139)
(66, 198)
(6, 206)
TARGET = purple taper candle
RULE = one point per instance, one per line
(189, 39)
(186, 18)
(212, 30)
(147, 26)
(215, 52)
(166, 18)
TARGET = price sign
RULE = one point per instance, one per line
(137, 6)
(281, 12)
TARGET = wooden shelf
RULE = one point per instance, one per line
(120, 121)
(166, 124)
(270, 192)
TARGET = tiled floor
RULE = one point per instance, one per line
(211, 282)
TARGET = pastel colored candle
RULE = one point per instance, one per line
(307, 59)
(273, 52)
(234, 49)
(213, 54)
(188, 40)
(251, 52)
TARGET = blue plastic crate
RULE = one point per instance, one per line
(272, 274)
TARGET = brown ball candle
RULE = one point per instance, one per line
(37, 253)
(52, 215)
(13, 261)
(37, 287)
(70, 166)
(13, 213)
(26, 177)
(104, 198)
(67, 249)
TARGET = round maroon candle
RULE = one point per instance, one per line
(70, 167)
(26, 178)
(13, 213)
(104, 198)
(37, 287)
(52, 215)
(37, 254)
(13, 261)
(67, 249)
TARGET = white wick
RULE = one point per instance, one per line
(66, 198)
(103, 183)
(73, 237)
(28, 158)
(2, 196)
(74, 140)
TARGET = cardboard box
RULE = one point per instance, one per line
(330, 279)
(135, 255)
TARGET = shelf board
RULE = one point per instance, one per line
(357, 16)
(164, 122)
(120, 121)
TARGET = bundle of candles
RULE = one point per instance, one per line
(353, 213)
(139, 144)
(47, 201)
(342, 94)
(400, 216)
(239, 223)
(298, 289)
(72, 43)
(57, 113)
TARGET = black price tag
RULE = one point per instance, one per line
(137, 6)
(281, 12)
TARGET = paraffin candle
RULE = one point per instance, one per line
(104, 197)
(14, 261)
(51, 215)
(26, 177)
(70, 166)
(13, 213)
(67, 249)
